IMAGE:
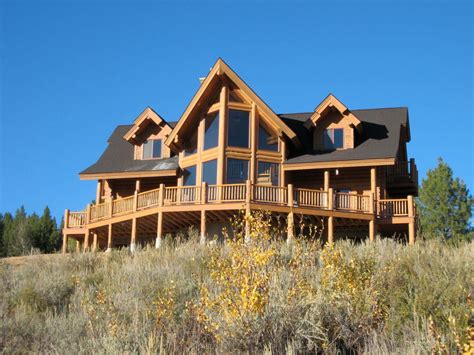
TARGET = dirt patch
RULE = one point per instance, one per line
(22, 260)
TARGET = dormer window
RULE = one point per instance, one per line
(333, 139)
(152, 149)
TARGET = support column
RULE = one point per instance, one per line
(65, 240)
(98, 191)
(94, 242)
(109, 239)
(253, 143)
(330, 229)
(133, 239)
(373, 181)
(248, 198)
(371, 230)
(291, 218)
(159, 230)
(411, 224)
(222, 135)
(202, 239)
(326, 180)
(78, 246)
(86, 241)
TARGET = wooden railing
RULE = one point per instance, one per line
(122, 206)
(148, 199)
(270, 194)
(76, 219)
(181, 195)
(311, 198)
(100, 211)
(351, 202)
(392, 208)
(228, 193)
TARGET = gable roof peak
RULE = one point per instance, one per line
(331, 102)
(148, 115)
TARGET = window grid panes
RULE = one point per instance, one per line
(211, 134)
(209, 172)
(266, 141)
(333, 138)
(190, 176)
(237, 171)
(151, 149)
(268, 173)
(238, 129)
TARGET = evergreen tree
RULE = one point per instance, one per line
(445, 204)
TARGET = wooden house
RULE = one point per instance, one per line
(229, 151)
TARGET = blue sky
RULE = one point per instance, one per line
(71, 71)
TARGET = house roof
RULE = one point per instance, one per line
(379, 139)
(118, 157)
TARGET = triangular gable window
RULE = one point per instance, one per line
(233, 97)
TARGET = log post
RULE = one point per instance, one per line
(204, 193)
(223, 99)
(98, 191)
(248, 199)
(86, 241)
(66, 218)
(161, 195)
(326, 180)
(88, 213)
(159, 230)
(411, 223)
(291, 218)
(65, 240)
(109, 238)
(330, 229)
(133, 238)
(94, 242)
(202, 239)
(78, 246)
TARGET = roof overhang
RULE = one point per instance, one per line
(332, 103)
(338, 164)
(220, 73)
(147, 117)
(129, 174)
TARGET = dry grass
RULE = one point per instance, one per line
(374, 298)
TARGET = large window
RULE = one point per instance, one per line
(211, 134)
(237, 171)
(191, 145)
(333, 138)
(238, 129)
(151, 149)
(209, 172)
(268, 173)
(190, 176)
(267, 141)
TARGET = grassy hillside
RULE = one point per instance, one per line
(262, 295)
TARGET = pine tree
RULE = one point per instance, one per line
(445, 205)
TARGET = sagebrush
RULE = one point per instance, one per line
(254, 294)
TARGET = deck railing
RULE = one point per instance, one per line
(351, 202)
(122, 206)
(226, 193)
(76, 219)
(311, 198)
(238, 193)
(392, 208)
(100, 211)
(270, 194)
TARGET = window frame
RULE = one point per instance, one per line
(153, 142)
(227, 170)
(330, 132)
(265, 128)
(248, 146)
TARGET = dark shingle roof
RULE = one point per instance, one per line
(380, 137)
(118, 157)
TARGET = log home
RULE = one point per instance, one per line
(347, 170)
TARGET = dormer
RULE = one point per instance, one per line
(148, 134)
(333, 125)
